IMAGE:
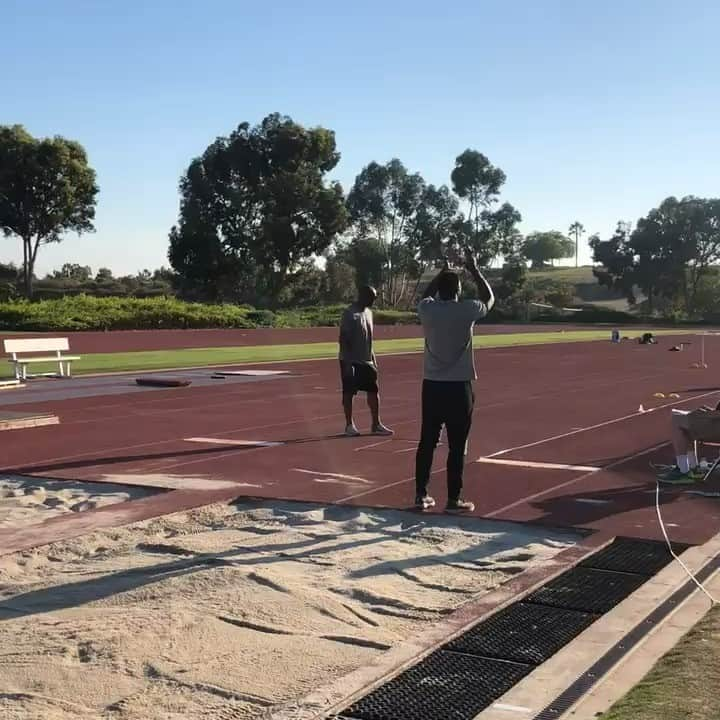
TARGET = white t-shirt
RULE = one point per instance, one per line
(448, 327)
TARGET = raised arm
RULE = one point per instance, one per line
(485, 292)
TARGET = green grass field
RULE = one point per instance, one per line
(204, 357)
(683, 685)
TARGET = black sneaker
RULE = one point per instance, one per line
(424, 502)
(460, 506)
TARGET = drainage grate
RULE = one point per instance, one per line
(471, 672)
(642, 557)
(444, 685)
(523, 633)
(612, 657)
(594, 591)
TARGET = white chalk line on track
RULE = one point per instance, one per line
(523, 500)
(241, 443)
(539, 465)
(578, 479)
(245, 387)
(229, 453)
(294, 422)
(597, 426)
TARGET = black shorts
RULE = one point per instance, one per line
(360, 378)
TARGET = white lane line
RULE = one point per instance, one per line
(335, 476)
(592, 501)
(375, 444)
(543, 465)
(579, 478)
(258, 373)
(241, 443)
(597, 426)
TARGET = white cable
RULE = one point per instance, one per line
(672, 552)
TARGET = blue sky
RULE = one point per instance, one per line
(596, 111)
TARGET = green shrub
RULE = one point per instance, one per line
(261, 318)
(83, 312)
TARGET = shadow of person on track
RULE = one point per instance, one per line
(171, 454)
(587, 508)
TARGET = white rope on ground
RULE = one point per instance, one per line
(672, 552)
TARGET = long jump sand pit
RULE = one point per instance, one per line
(28, 501)
(226, 611)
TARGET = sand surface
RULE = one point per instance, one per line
(226, 611)
(28, 501)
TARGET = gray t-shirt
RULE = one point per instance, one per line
(448, 327)
(356, 336)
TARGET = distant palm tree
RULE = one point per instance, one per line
(577, 229)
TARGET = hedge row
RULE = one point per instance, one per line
(113, 313)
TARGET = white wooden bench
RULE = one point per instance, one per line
(26, 351)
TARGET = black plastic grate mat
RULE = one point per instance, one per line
(615, 654)
(643, 557)
(594, 591)
(472, 671)
(523, 633)
(444, 685)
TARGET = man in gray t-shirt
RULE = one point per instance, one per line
(449, 371)
(358, 365)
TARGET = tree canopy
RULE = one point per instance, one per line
(667, 256)
(487, 233)
(254, 207)
(384, 205)
(47, 188)
(541, 248)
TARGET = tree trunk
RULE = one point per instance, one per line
(28, 266)
(576, 248)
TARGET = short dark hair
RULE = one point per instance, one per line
(448, 285)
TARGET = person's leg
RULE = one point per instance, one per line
(348, 398)
(432, 421)
(373, 401)
(685, 469)
(348, 395)
(458, 427)
(366, 380)
(683, 445)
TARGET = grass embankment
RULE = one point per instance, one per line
(684, 684)
(203, 357)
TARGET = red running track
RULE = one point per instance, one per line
(573, 404)
(136, 340)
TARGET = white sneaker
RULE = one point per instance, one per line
(381, 430)
(351, 431)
